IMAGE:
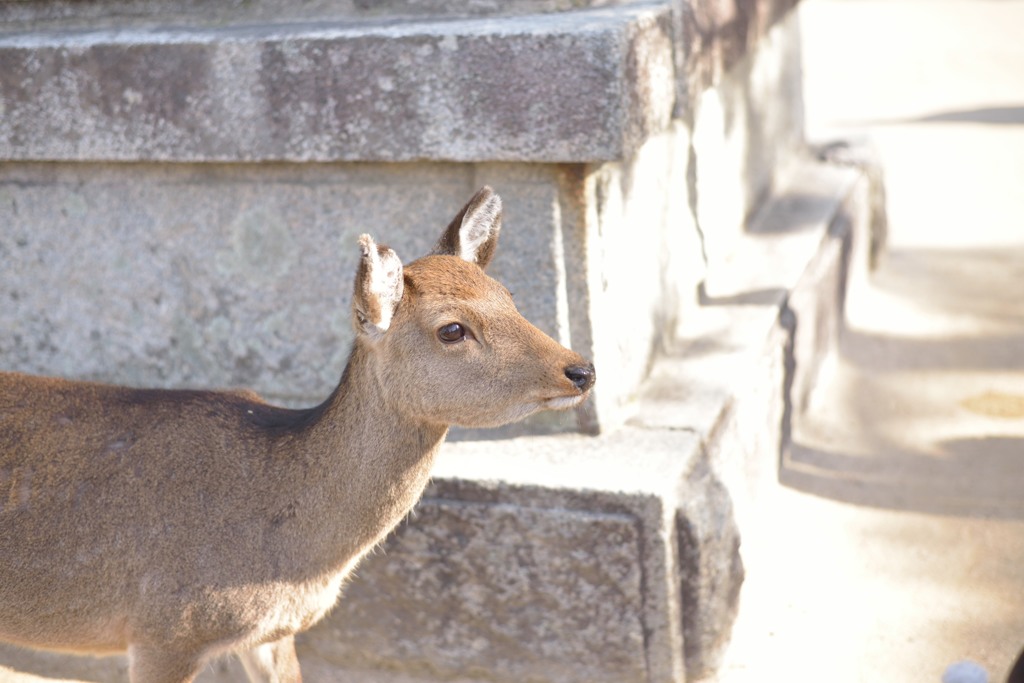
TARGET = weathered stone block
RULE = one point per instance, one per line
(200, 275)
(70, 14)
(541, 559)
(564, 87)
(496, 592)
(711, 569)
(642, 263)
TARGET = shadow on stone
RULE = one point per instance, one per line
(971, 477)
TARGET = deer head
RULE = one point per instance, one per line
(448, 343)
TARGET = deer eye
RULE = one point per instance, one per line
(451, 333)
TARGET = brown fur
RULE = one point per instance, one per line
(182, 524)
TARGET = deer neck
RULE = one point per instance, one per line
(372, 466)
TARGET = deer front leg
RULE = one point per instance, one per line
(272, 662)
(157, 665)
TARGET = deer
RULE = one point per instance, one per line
(181, 525)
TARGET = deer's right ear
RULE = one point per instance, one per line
(473, 233)
(378, 288)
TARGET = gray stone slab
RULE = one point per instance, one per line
(33, 14)
(782, 284)
(209, 276)
(541, 559)
(579, 86)
(498, 592)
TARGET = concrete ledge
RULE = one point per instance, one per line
(580, 86)
(66, 14)
(541, 559)
(329, 80)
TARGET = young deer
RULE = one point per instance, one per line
(178, 525)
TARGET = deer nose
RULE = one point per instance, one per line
(582, 376)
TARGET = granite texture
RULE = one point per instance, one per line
(70, 14)
(497, 592)
(206, 276)
(565, 87)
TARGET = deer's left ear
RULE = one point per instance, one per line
(473, 233)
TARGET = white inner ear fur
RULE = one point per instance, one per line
(477, 227)
(385, 280)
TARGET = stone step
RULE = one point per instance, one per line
(580, 86)
(69, 14)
